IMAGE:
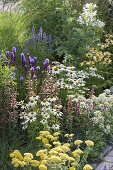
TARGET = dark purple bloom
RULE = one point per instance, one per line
(32, 62)
(14, 50)
(22, 56)
(23, 59)
(35, 60)
(12, 56)
(21, 79)
(46, 63)
(7, 54)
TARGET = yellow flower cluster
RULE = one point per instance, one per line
(55, 153)
(89, 143)
(21, 161)
(46, 137)
(96, 57)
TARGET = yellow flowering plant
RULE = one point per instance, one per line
(54, 154)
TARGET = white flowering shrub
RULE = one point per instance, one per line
(89, 16)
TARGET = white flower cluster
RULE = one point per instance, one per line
(51, 114)
(69, 78)
(28, 111)
(89, 16)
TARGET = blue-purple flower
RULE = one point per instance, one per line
(23, 59)
(12, 56)
(14, 50)
(37, 68)
(46, 63)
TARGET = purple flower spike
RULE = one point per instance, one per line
(21, 79)
(22, 56)
(23, 59)
(38, 68)
(40, 34)
(14, 50)
(12, 56)
(46, 63)
(7, 54)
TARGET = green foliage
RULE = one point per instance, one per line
(6, 75)
(59, 18)
(12, 30)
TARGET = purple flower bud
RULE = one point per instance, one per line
(38, 68)
(23, 59)
(32, 62)
(14, 50)
(34, 76)
(32, 69)
(21, 79)
(22, 56)
(48, 68)
(24, 62)
(46, 63)
(7, 54)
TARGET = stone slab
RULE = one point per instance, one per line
(111, 153)
(108, 158)
(102, 165)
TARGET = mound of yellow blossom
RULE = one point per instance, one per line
(53, 154)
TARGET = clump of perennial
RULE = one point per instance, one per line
(74, 80)
(49, 111)
(54, 154)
